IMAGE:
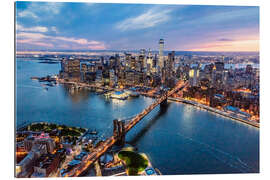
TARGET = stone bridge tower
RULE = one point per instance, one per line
(119, 132)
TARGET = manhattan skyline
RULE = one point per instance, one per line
(93, 26)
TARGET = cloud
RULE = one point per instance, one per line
(78, 41)
(31, 29)
(248, 44)
(97, 47)
(49, 7)
(148, 19)
(41, 29)
(227, 16)
(40, 39)
(241, 14)
(27, 14)
(37, 43)
(54, 29)
(225, 39)
(26, 35)
(37, 10)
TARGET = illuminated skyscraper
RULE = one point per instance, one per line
(161, 48)
(149, 61)
(193, 76)
(142, 53)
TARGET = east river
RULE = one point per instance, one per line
(180, 139)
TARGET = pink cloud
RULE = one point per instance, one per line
(24, 40)
(29, 41)
(58, 41)
(237, 45)
(97, 47)
(43, 44)
(64, 46)
(30, 35)
(78, 41)
(236, 40)
(31, 29)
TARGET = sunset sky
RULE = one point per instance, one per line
(89, 26)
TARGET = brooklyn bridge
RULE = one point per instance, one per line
(120, 128)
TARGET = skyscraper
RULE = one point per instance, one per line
(149, 61)
(193, 76)
(142, 53)
(161, 47)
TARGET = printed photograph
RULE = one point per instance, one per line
(121, 89)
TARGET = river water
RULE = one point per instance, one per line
(179, 139)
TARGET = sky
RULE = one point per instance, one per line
(94, 26)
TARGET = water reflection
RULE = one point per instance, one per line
(188, 112)
(118, 102)
(76, 95)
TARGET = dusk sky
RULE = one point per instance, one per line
(89, 26)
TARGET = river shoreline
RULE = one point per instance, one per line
(214, 110)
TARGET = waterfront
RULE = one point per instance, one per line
(179, 140)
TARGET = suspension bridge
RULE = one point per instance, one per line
(120, 128)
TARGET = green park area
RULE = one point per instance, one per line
(64, 130)
(135, 162)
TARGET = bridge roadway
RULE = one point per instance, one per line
(147, 110)
(109, 142)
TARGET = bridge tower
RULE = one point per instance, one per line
(164, 103)
(119, 132)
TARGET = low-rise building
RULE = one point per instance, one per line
(43, 138)
(46, 164)
(115, 171)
